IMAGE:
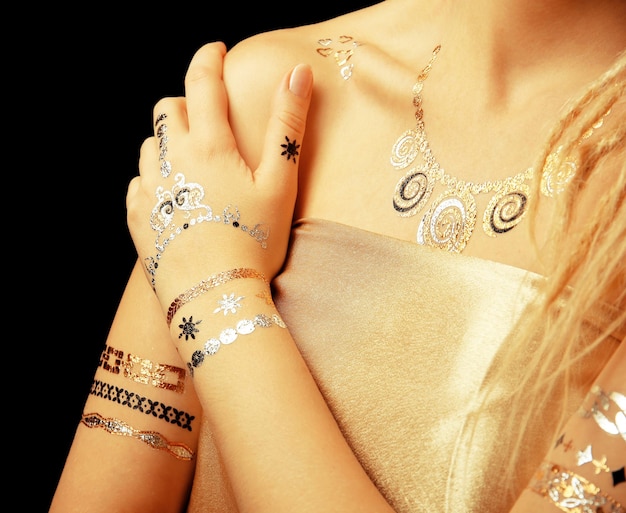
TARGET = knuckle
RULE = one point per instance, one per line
(293, 120)
(165, 104)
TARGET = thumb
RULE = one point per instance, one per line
(283, 140)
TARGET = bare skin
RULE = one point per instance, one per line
(504, 72)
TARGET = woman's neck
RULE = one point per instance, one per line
(502, 44)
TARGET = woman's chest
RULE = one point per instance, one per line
(373, 168)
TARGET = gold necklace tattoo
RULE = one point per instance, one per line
(449, 221)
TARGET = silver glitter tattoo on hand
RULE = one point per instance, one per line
(182, 207)
(166, 165)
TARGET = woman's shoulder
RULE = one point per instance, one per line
(254, 67)
(268, 55)
(365, 46)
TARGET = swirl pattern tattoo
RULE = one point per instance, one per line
(449, 222)
(505, 210)
(412, 192)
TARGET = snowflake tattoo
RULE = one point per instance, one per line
(291, 149)
(188, 328)
(229, 304)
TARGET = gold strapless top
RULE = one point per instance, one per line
(400, 339)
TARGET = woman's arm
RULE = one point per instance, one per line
(281, 446)
(584, 470)
(141, 397)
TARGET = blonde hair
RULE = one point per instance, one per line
(583, 268)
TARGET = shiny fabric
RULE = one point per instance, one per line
(401, 338)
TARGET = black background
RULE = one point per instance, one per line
(83, 95)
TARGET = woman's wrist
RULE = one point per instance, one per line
(209, 283)
(220, 310)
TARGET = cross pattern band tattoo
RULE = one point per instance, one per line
(142, 404)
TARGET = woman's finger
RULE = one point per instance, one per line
(170, 124)
(285, 131)
(207, 102)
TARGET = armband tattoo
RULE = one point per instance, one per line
(152, 438)
(570, 492)
(141, 370)
(208, 284)
(142, 404)
(229, 335)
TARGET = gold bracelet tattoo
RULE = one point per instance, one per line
(570, 492)
(209, 283)
(151, 438)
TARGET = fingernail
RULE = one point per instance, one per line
(301, 80)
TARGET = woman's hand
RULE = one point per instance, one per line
(197, 208)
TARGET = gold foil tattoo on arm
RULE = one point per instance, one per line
(341, 50)
(143, 371)
(585, 456)
(570, 492)
(209, 283)
(152, 438)
(229, 304)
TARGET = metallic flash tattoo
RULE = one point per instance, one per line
(585, 456)
(141, 404)
(209, 283)
(570, 492)
(341, 50)
(229, 335)
(188, 328)
(166, 165)
(567, 446)
(152, 438)
(228, 304)
(182, 207)
(602, 402)
(141, 370)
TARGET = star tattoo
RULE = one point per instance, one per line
(290, 149)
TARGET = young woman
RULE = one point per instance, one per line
(417, 306)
